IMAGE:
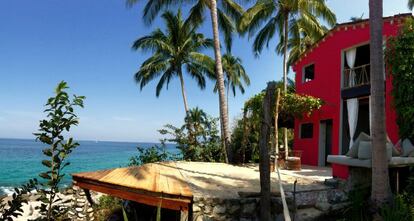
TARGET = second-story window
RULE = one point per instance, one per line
(309, 73)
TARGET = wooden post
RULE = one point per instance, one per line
(264, 160)
(276, 150)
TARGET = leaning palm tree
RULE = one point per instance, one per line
(174, 52)
(278, 16)
(224, 18)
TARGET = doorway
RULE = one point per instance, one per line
(325, 141)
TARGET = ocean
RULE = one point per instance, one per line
(20, 159)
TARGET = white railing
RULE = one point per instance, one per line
(357, 76)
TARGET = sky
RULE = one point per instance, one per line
(88, 44)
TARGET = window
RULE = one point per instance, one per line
(306, 130)
(309, 73)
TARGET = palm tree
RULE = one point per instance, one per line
(281, 16)
(410, 4)
(380, 192)
(224, 19)
(177, 48)
(236, 76)
(301, 38)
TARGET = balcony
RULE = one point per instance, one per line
(356, 77)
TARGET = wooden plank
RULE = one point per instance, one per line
(164, 202)
(155, 177)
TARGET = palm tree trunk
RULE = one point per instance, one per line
(285, 54)
(220, 84)
(180, 75)
(380, 192)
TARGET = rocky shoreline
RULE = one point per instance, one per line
(72, 198)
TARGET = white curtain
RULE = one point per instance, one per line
(352, 105)
(350, 59)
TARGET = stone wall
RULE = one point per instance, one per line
(81, 209)
(308, 205)
(243, 209)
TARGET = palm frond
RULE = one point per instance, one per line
(227, 27)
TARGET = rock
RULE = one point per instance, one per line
(80, 204)
(81, 215)
(89, 210)
(323, 206)
(219, 209)
(198, 217)
(196, 208)
(207, 209)
(208, 218)
(77, 209)
(337, 196)
(249, 208)
(308, 214)
(80, 200)
(333, 182)
(233, 209)
(339, 206)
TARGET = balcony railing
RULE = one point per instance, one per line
(357, 76)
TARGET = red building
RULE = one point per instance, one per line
(336, 69)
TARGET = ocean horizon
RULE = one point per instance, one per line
(20, 159)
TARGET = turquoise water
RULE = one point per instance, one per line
(20, 159)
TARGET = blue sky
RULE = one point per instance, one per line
(87, 43)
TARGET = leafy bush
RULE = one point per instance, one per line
(245, 135)
(400, 58)
(153, 154)
(60, 118)
(106, 206)
(398, 210)
(358, 205)
(198, 139)
(13, 208)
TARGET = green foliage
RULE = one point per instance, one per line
(106, 206)
(265, 21)
(235, 75)
(176, 49)
(409, 190)
(358, 205)
(60, 118)
(198, 139)
(399, 56)
(298, 106)
(153, 154)
(292, 105)
(13, 208)
(398, 210)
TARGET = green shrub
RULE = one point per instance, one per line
(398, 210)
(198, 139)
(13, 208)
(400, 59)
(153, 154)
(358, 209)
(106, 206)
